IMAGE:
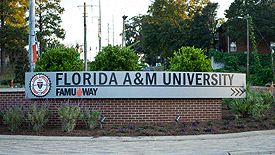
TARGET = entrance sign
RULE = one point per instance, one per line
(134, 84)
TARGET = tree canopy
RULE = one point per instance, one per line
(133, 35)
(48, 24)
(59, 59)
(14, 33)
(169, 25)
(202, 27)
(263, 17)
(114, 58)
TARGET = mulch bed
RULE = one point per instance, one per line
(267, 122)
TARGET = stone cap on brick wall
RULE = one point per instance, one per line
(259, 88)
(7, 90)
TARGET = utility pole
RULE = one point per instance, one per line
(31, 31)
(99, 28)
(108, 34)
(113, 32)
(247, 20)
(85, 40)
(85, 37)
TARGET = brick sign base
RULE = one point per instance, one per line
(131, 111)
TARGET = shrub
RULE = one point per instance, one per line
(37, 115)
(237, 63)
(240, 107)
(91, 117)
(190, 59)
(1, 116)
(226, 122)
(14, 116)
(68, 113)
(231, 63)
(240, 126)
(114, 58)
(21, 67)
(210, 122)
(225, 127)
(226, 102)
(262, 76)
(5, 81)
(255, 103)
(114, 127)
(184, 125)
(59, 59)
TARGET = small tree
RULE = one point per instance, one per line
(190, 59)
(21, 67)
(114, 58)
(59, 59)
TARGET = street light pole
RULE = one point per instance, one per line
(247, 41)
(123, 31)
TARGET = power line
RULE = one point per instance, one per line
(263, 38)
(264, 20)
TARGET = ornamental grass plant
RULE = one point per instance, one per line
(37, 115)
(13, 115)
(68, 113)
(90, 117)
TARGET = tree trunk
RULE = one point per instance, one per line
(3, 48)
(40, 29)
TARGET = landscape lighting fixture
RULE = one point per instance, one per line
(101, 121)
(177, 119)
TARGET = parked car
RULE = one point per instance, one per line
(148, 69)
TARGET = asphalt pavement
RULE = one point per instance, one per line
(247, 143)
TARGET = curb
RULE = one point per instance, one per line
(252, 152)
(141, 138)
(263, 152)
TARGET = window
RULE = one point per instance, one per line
(233, 47)
(217, 36)
(272, 45)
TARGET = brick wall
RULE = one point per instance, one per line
(132, 111)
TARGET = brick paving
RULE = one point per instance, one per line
(256, 142)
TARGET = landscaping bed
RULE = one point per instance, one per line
(228, 124)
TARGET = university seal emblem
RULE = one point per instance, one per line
(40, 85)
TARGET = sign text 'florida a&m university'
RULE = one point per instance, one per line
(134, 84)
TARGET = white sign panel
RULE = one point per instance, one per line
(135, 84)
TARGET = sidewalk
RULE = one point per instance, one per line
(256, 142)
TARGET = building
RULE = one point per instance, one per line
(225, 44)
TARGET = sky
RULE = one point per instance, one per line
(111, 12)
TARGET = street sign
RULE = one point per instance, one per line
(134, 84)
